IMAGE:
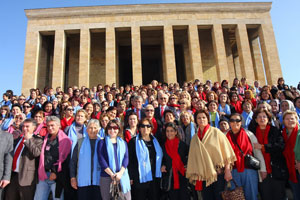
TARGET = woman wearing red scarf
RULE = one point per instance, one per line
(68, 118)
(271, 143)
(175, 158)
(235, 102)
(245, 177)
(290, 133)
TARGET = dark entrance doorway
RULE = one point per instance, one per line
(180, 66)
(151, 63)
(125, 65)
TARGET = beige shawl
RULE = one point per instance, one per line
(208, 155)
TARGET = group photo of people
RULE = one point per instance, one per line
(156, 141)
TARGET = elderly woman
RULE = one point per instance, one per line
(78, 129)
(145, 155)
(242, 142)
(84, 159)
(55, 149)
(188, 126)
(291, 151)
(271, 143)
(113, 159)
(149, 111)
(175, 158)
(209, 163)
(284, 106)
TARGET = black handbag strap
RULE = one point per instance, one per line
(234, 140)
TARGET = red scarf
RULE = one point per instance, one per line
(201, 136)
(238, 106)
(177, 164)
(64, 122)
(263, 139)
(174, 105)
(154, 122)
(289, 153)
(202, 96)
(243, 141)
(96, 116)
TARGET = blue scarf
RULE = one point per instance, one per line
(7, 122)
(112, 103)
(298, 111)
(247, 119)
(101, 133)
(216, 120)
(226, 110)
(121, 150)
(73, 135)
(192, 129)
(84, 165)
(143, 158)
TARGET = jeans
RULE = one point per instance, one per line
(43, 189)
(296, 187)
(248, 179)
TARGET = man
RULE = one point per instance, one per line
(159, 111)
(6, 150)
(138, 108)
(24, 167)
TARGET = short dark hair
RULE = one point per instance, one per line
(30, 120)
(202, 111)
(261, 110)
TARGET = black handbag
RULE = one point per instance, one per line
(166, 181)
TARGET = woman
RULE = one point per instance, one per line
(5, 112)
(39, 117)
(15, 127)
(68, 118)
(213, 113)
(84, 159)
(244, 176)
(48, 108)
(77, 129)
(284, 106)
(104, 119)
(210, 96)
(149, 111)
(145, 155)
(131, 130)
(250, 96)
(89, 108)
(247, 113)
(175, 157)
(265, 95)
(188, 126)
(185, 105)
(112, 112)
(113, 159)
(27, 109)
(224, 107)
(15, 110)
(224, 125)
(209, 163)
(97, 111)
(55, 149)
(235, 102)
(291, 152)
(271, 143)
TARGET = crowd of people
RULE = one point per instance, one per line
(154, 141)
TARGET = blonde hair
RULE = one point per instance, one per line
(188, 113)
(289, 112)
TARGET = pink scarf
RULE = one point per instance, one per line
(38, 129)
(64, 148)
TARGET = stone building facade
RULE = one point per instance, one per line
(126, 44)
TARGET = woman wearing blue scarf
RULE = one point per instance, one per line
(188, 126)
(15, 110)
(145, 155)
(224, 108)
(113, 159)
(84, 165)
(247, 113)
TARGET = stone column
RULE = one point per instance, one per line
(30, 68)
(170, 75)
(59, 59)
(195, 53)
(270, 53)
(220, 53)
(244, 53)
(110, 56)
(257, 61)
(137, 75)
(229, 55)
(84, 58)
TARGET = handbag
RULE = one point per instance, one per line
(250, 161)
(236, 194)
(115, 190)
(166, 181)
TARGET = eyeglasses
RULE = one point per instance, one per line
(21, 118)
(162, 98)
(149, 110)
(112, 127)
(27, 106)
(22, 99)
(235, 120)
(145, 125)
(70, 109)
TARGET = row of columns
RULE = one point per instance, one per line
(249, 55)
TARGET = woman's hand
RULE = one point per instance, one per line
(263, 175)
(74, 183)
(118, 176)
(52, 176)
(163, 168)
(257, 146)
(227, 175)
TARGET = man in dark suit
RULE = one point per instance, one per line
(138, 109)
(26, 151)
(159, 111)
(6, 149)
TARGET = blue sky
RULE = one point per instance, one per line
(285, 17)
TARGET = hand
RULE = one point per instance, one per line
(118, 176)
(131, 182)
(227, 175)
(263, 175)
(257, 146)
(222, 113)
(112, 176)
(163, 168)
(74, 183)
(52, 176)
(4, 183)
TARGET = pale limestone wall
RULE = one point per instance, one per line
(73, 74)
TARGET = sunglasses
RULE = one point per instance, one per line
(112, 127)
(27, 106)
(149, 110)
(235, 120)
(70, 109)
(145, 125)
